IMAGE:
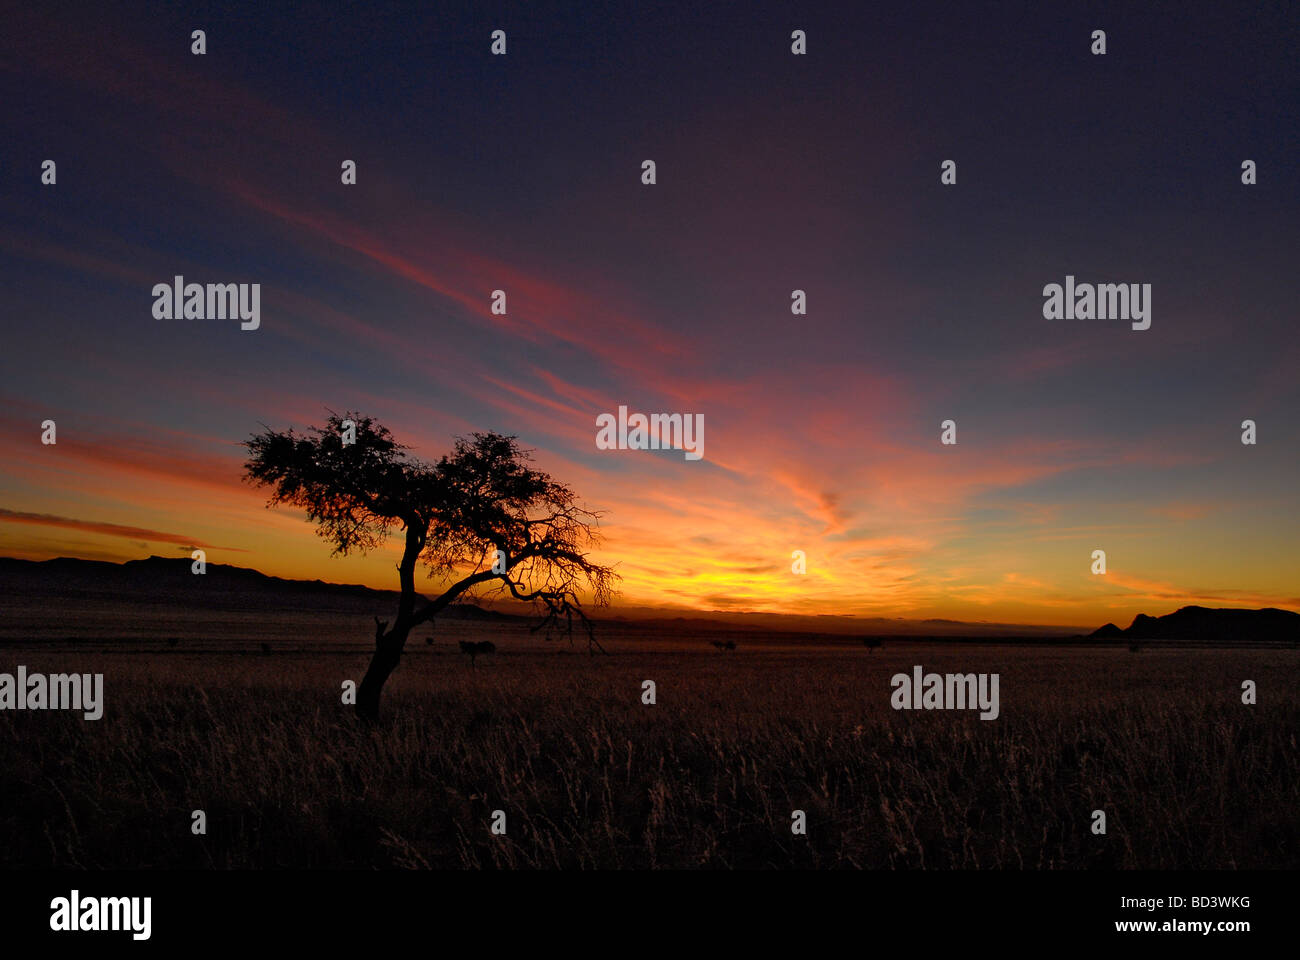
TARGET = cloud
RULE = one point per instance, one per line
(109, 529)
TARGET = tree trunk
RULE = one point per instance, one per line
(388, 651)
(388, 646)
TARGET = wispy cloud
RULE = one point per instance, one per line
(109, 529)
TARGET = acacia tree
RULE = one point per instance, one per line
(480, 519)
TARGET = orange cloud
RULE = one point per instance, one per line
(109, 529)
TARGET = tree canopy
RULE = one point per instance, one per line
(481, 518)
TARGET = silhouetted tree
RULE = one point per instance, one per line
(455, 515)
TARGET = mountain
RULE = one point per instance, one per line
(164, 589)
(1210, 624)
(149, 586)
(166, 580)
(849, 626)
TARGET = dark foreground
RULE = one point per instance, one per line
(589, 776)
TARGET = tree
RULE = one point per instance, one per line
(480, 517)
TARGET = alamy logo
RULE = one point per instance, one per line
(658, 431)
(947, 691)
(213, 301)
(1103, 301)
(58, 691)
(73, 913)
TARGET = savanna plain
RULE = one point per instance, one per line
(590, 776)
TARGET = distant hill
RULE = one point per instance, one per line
(163, 590)
(167, 580)
(847, 626)
(1210, 625)
(154, 583)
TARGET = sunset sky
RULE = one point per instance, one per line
(775, 172)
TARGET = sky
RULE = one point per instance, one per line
(774, 173)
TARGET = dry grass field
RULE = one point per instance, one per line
(590, 777)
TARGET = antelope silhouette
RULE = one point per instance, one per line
(473, 649)
(724, 644)
(871, 643)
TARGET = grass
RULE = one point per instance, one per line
(589, 777)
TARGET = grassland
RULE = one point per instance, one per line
(589, 776)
